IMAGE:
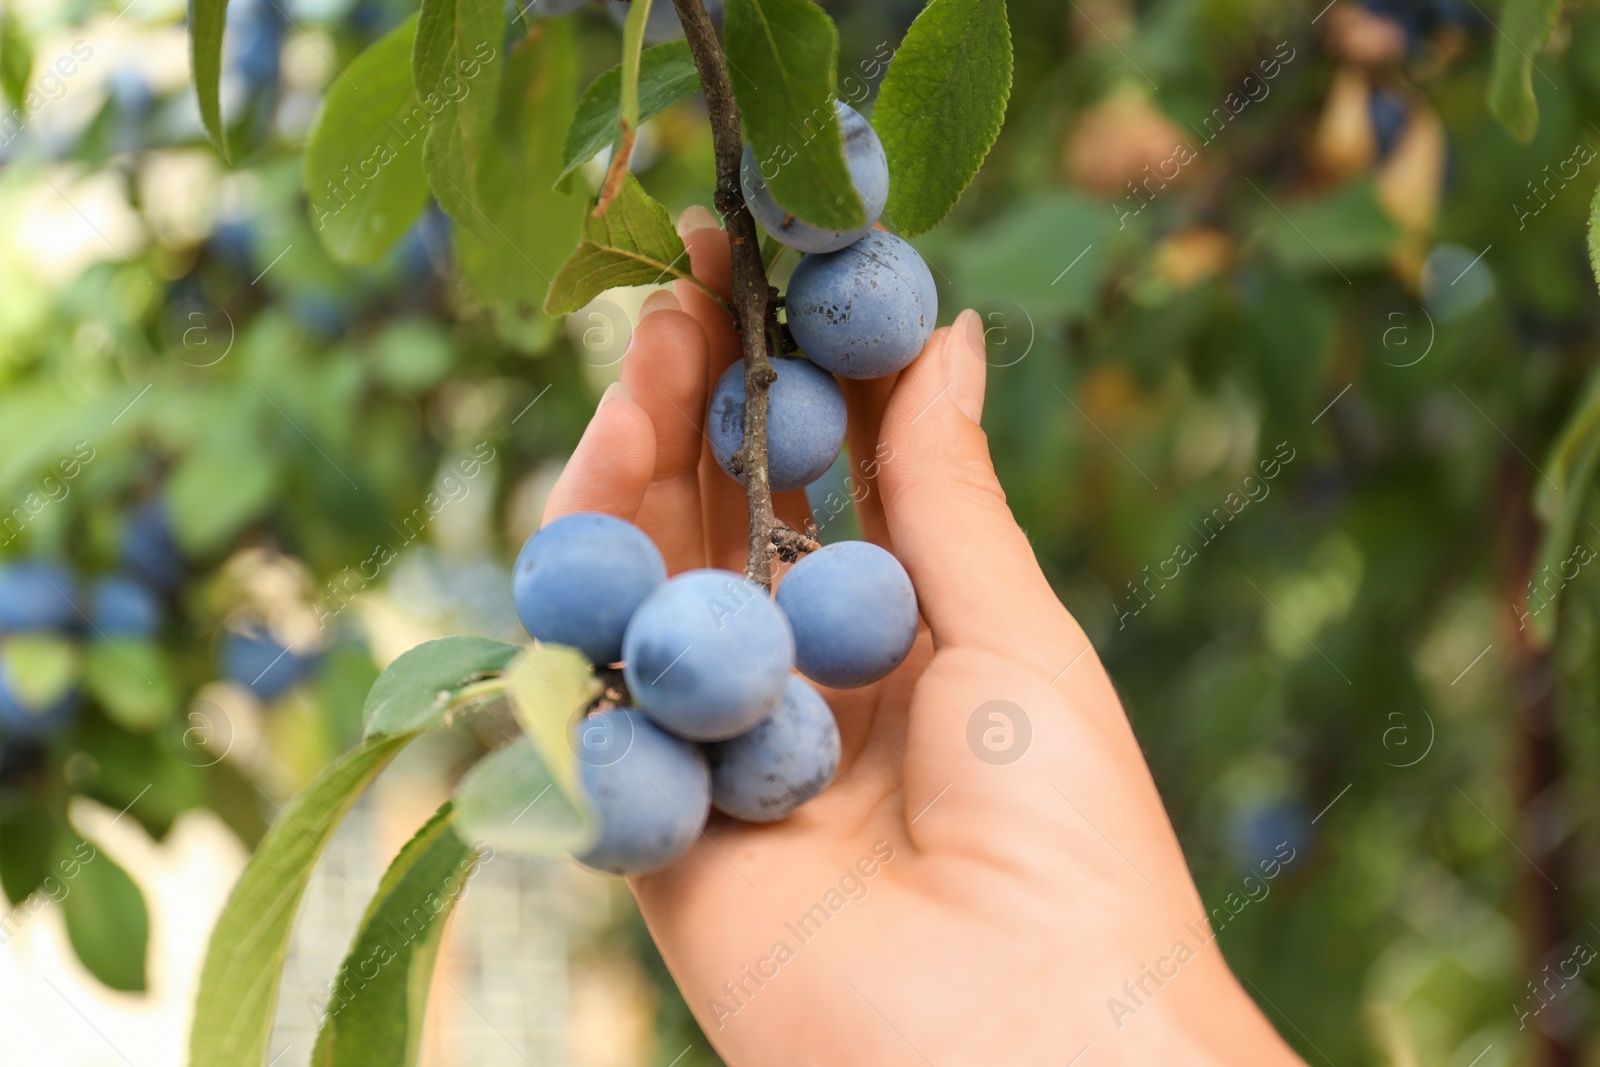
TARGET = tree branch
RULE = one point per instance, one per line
(752, 295)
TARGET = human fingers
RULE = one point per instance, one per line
(722, 499)
(611, 467)
(665, 372)
(978, 583)
(865, 401)
(710, 260)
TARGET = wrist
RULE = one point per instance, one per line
(1212, 1021)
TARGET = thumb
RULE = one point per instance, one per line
(978, 583)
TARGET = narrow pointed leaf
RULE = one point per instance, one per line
(1524, 27)
(627, 103)
(375, 1010)
(207, 19)
(239, 983)
(782, 55)
(1561, 498)
(942, 105)
(666, 76)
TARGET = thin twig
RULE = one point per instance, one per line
(751, 292)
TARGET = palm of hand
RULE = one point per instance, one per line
(981, 878)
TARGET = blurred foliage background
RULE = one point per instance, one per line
(1291, 342)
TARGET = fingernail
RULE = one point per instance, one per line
(615, 391)
(974, 330)
(964, 366)
(696, 217)
(661, 300)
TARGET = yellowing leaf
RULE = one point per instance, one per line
(549, 685)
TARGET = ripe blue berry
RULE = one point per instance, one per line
(662, 24)
(650, 791)
(865, 311)
(149, 549)
(258, 661)
(869, 170)
(763, 775)
(853, 612)
(805, 422)
(120, 606)
(707, 655)
(37, 595)
(579, 580)
(1389, 112)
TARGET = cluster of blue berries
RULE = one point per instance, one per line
(713, 713)
(860, 304)
(42, 598)
(716, 717)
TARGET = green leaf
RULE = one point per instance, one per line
(207, 19)
(40, 668)
(771, 252)
(412, 355)
(549, 686)
(215, 491)
(107, 921)
(227, 792)
(634, 243)
(16, 56)
(137, 773)
(1524, 27)
(627, 103)
(534, 225)
(239, 983)
(666, 75)
(781, 56)
(1347, 228)
(374, 1014)
(941, 107)
(508, 800)
(1560, 499)
(1045, 254)
(363, 160)
(345, 675)
(456, 65)
(132, 681)
(414, 692)
(1594, 235)
(27, 850)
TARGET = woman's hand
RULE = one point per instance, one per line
(992, 878)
